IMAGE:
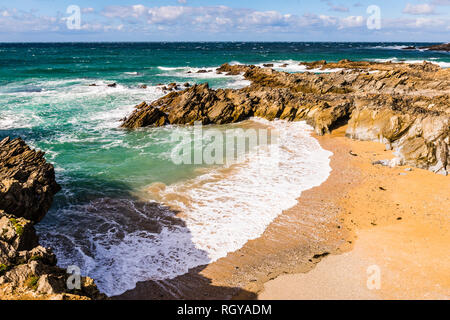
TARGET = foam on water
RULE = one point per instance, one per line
(224, 213)
(232, 82)
(292, 66)
(222, 209)
(398, 47)
(442, 64)
(75, 95)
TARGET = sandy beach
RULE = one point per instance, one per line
(399, 219)
(364, 215)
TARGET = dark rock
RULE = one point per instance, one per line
(147, 116)
(439, 47)
(27, 181)
(172, 86)
(27, 187)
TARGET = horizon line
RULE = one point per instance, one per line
(215, 41)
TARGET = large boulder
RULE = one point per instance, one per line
(27, 181)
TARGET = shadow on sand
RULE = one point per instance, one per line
(110, 216)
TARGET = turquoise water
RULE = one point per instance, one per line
(102, 213)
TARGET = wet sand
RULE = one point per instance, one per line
(402, 225)
(363, 215)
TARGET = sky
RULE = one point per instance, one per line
(222, 20)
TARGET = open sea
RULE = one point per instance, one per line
(127, 212)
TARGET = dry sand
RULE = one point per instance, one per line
(402, 223)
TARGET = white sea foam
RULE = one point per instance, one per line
(91, 105)
(292, 66)
(233, 82)
(398, 47)
(191, 72)
(442, 64)
(221, 214)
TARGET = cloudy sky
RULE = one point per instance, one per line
(222, 20)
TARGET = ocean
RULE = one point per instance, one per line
(127, 212)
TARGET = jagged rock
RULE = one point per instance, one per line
(405, 106)
(172, 86)
(439, 47)
(27, 187)
(27, 181)
(232, 70)
(29, 270)
(317, 64)
(147, 116)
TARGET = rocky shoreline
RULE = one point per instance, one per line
(439, 47)
(28, 271)
(404, 106)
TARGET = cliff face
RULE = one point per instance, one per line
(27, 270)
(405, 106)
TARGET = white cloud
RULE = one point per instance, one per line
(441, 2)
(419, 9)
(339, 8)
(328, 21)
(428, 22)
(216, 18)
(165, 14)
(179, 20)
(87, 10)
(351, 22)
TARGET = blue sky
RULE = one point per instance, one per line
(222, 20)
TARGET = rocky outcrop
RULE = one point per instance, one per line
(27, 181)
(419, 139)
(27, 270)
(405, 106)
(438, 47)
